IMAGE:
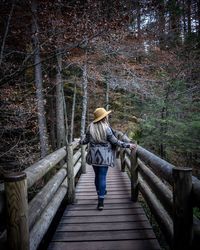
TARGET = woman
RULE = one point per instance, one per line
(100, 155)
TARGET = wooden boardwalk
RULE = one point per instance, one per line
(122, 225)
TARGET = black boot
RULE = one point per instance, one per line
(100, 204)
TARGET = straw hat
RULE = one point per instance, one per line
(100, 113)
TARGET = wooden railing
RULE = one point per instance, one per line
(170, 192)
(27, 222)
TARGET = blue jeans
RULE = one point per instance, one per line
(100, 179)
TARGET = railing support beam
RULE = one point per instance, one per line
(17, 211)
(122, 158)
(83, 159)
(134, 176)
(182, 208)
(70, 175)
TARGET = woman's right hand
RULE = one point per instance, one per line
(133, 146)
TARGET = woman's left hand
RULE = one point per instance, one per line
(133, 146)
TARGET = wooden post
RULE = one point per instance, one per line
(182, 208)
(117, 153)
(122, 157)
(17, 211)
(118, 149)
(134, 176)
(70, 175)
(83, 161)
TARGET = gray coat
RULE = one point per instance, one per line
(102, 154)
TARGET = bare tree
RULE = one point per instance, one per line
(52, 117)
(85, 96)
(138, 8)
(60, 104)
(73, 112)
(161, 21)
(107, 94)
(198, 15)
(60, 99)
(189, 16)
(66, 119)
(6, 32)
(38, 82)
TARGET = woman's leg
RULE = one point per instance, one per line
(102, 172)
(96, 178)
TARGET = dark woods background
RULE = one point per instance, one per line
(59, 60)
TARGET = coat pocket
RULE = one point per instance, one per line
(100, 156)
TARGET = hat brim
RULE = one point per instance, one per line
(102, 116)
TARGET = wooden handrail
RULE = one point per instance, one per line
(43, 207)
(76, 156)
(75, 144)
(77, 167)
(160, 166)
(148, 172)
(162, 217)
(39, 169)
(41, 200)
(158, 185)
(162, 191)
(41, 226)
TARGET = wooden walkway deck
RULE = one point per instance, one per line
(122, 225)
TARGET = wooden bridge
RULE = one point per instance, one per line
(171, 194)
(121, 225)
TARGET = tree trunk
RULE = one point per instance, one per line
(189, 16)
(161, 22)
(174, 21)
(73, 111)
(84, 102)
(66, 119)
(107, 94)
(6, 32)
(198, 16)
(184, 18)
(60, 104)
(138, 19)
(52, 120)
(162, 149)
(38, 82)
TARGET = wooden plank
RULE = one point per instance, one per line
(110, 183)
(122, 225)
(104, 226)
(92, 192)
(110, 174)
(91, 186)
(111, 188)
(108, 187)
(114, 184)
(108, 180)
(111, 178)
(110, 201)
(108, 206)
(109, 196)
(95, 219)
(104, 235)
(104, 212)
(150, 244)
